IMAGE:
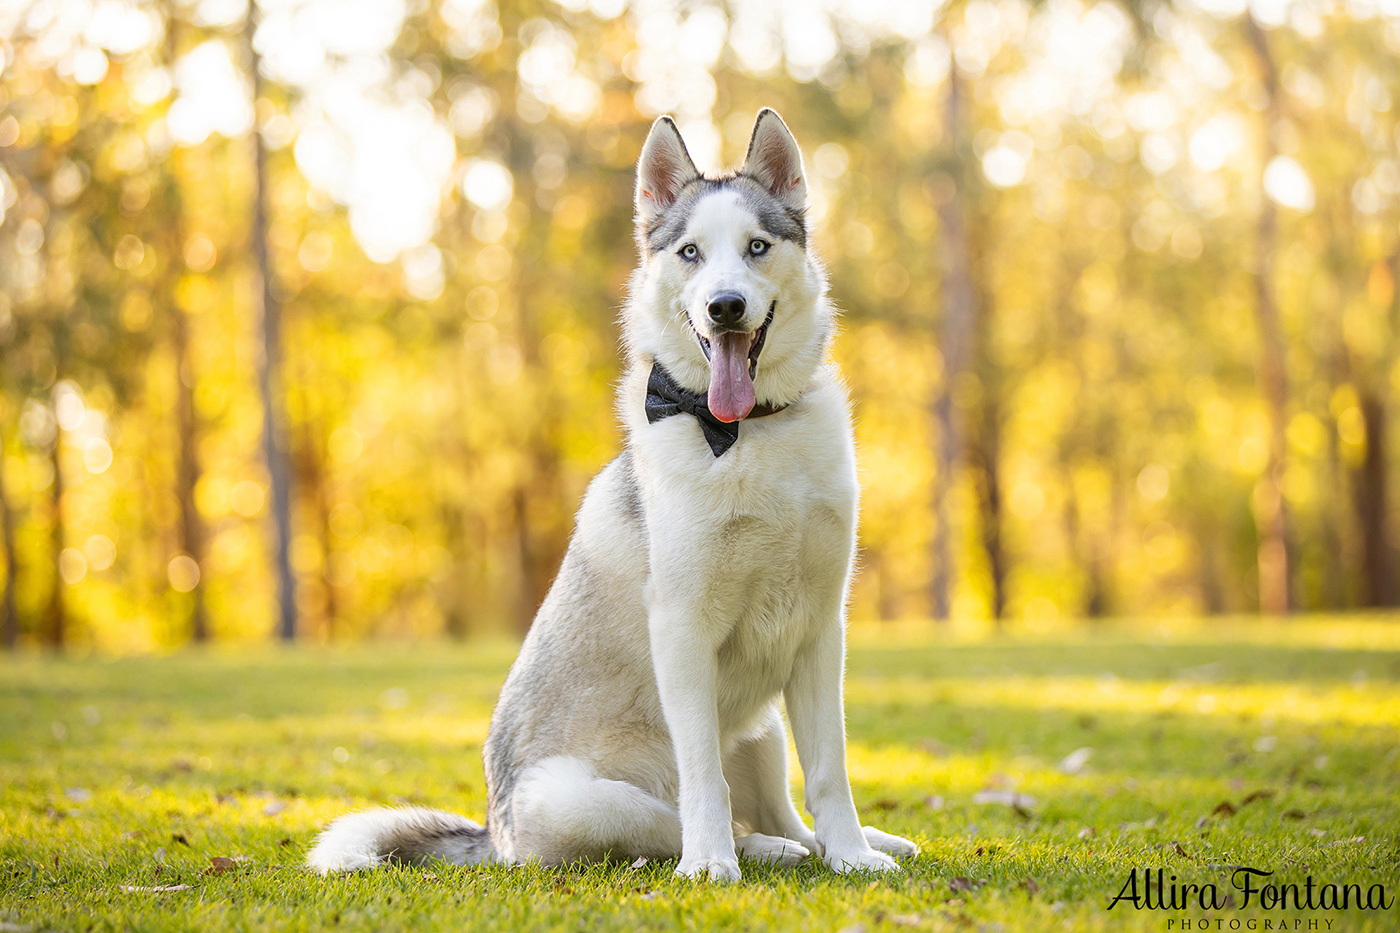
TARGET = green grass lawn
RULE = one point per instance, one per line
(1266, 744)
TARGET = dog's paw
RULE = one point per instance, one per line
(890, 845)
(716, 869)
(775, 849)
(860, 860)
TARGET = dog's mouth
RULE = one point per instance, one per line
(733, 360)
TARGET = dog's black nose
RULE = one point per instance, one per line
(727, 310)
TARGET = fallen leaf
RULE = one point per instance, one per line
(158, 889)
(1257, 795)
(1179, 850)
(639, 863)
(1075, 761)
(1007, 798)
(1224, 808)
(284, 842)
(885, 803)
(218, 865)
(180, 838)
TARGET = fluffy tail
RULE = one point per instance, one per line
(410, 835)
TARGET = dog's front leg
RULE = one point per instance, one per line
(686, 670)
(817, 715)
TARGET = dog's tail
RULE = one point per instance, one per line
(409, 835)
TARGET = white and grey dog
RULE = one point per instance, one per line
(706, 578)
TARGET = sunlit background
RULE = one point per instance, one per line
(1118, 284)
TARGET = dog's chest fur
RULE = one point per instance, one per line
(765, 530)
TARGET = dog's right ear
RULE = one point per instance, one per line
(663, 170)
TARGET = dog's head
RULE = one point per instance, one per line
(727, 297)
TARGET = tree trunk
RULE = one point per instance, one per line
(959, 312)
(1370, 497)
(1271, 514)
(989, 453)
(311, 478)
(527, 600)
(188, 471)
(9, 613)
(56, 623)
(270, 367)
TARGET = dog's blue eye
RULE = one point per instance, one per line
(689, 251)
(758, 247)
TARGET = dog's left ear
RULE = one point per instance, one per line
(775, 161)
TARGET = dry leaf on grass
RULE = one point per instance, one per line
(1009, 798)
(218, 865)
(157, 889)
(1075, 761)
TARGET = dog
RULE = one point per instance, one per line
(707, 575)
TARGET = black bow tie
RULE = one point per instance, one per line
(666, 397)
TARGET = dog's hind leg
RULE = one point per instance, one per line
(564, 812)
(757, 773)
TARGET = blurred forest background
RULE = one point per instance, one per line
(308, 323)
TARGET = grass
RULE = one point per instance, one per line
(119, 776)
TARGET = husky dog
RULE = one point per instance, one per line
(707, 575)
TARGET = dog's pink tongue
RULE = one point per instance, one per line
(731, 389)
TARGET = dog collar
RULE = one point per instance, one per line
(667, 397)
